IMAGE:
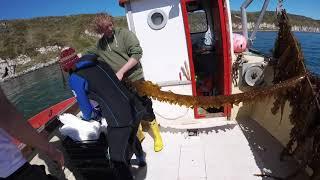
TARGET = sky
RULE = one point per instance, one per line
(24, 9)
(308, 8)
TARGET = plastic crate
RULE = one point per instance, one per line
(89, 158)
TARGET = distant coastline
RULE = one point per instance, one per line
(272, 30)
(55, 60)
(38, 38)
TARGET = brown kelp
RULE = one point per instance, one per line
(304, 140)
(147, 88)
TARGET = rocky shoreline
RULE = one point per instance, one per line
(8, 66)
(31, 69)
(273, 27)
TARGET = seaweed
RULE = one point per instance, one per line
(304, 140)
(147, 88)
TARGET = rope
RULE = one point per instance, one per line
(175, 118)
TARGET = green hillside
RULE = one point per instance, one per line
(270, 17)
(25, 36)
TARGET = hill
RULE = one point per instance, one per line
(28, 36)
(299, 23)
(39, 39)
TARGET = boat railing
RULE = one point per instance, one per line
(46, 121)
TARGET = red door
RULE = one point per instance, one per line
(222, 50)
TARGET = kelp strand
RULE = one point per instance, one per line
(147, 88)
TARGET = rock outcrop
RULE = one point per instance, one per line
(8, 66)
(46, 50)
(7, 71)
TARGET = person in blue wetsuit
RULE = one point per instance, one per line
(90, 79)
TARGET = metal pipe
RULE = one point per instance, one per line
(129, 15)
(257, 24)
(244, 18)
(173, 83)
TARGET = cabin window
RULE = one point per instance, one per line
(198, 21)
(157, 19)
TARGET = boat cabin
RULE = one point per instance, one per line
(186, 43)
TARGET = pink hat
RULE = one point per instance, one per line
(68, 57)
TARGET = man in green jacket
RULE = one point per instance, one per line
(120, 48)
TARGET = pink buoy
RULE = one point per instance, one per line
(239, 43)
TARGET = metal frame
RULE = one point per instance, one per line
(245, 23)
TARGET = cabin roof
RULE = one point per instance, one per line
(122, 2)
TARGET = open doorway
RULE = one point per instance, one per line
(208, 58)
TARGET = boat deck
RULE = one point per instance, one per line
(229, 150)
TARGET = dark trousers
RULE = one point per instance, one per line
(30, 172)
(147, 103)
(143, 104)
(123, 142)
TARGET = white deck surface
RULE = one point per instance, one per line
(222, 152)
(229, 150)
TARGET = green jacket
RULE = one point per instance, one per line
(117, 50)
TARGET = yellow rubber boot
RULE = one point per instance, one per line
(158, 144)
(140, 134)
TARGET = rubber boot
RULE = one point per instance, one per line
(158, 144)
(140, 134)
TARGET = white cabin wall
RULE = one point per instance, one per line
(227, 5)
(130, 22)
(164, 50)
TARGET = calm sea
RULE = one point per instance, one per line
(310, 43)
(40, 89)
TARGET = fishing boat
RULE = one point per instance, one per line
(217, 107)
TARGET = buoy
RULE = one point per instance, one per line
(239, 43)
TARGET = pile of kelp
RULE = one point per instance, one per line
(303, 98)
